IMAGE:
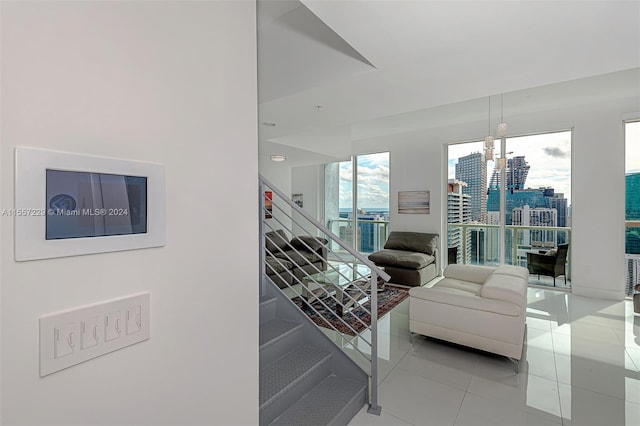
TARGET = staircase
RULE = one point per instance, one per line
(304, 378)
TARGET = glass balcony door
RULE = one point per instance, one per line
(500, 215)
(357, 201)
(632, 205)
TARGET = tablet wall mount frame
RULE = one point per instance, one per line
(69, 204)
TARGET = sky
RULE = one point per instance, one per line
(549, 156)
(373, 182)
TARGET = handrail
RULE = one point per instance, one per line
(311, 271)
(632, 223)
(382, 274)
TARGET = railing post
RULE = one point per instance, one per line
(262, 237)
(374, 408)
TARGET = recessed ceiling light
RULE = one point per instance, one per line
(278, 157)
(269, 124)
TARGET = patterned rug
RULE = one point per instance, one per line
(389, 298)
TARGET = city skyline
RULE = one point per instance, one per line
(549, 156)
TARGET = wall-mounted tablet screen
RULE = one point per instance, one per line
(82, 204)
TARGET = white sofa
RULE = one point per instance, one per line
(476, 306)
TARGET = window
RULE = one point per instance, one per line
(632, 204)
(534, 200)
(367, 194)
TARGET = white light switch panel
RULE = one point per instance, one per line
(76, 335)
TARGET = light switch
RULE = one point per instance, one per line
(79, 334)
(64, 340)
(112, 325)
(89, 330)
(134, 319)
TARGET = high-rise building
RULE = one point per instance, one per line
(534, 198)
(632, 212)
(516, 174)
(543, 217)
(472, 169)
(559, 203)
(458, 211)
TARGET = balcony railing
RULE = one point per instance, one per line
(479, 244)
(632, 255)
(371, 234)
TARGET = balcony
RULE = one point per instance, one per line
(479, 244)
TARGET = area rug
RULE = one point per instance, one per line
(387, 300)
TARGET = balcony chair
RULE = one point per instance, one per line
(551, 263)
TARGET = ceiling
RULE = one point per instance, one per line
(331, 72)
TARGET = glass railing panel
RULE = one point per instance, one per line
(371, 235)
(479, 244)
(632, 256)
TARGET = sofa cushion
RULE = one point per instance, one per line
(463, 299)
(461, 285)
(401, 258)
(275, 240)
(412, 241)
(471, 273)
(307, 242)
(276, 266)
(515, 271)
(505, 287)
(300, 257)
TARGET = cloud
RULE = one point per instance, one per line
(555, 152)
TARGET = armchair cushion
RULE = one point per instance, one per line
(400, 258)
(412, 241)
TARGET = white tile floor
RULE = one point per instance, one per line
(581, 367)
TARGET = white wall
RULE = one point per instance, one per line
(170, 82)
(308, 181)
(418, 162)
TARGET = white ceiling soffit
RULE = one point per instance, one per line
(295, 157)
(297, 51)
(590, 90)
(433, 53)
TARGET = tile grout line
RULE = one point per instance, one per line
(555, 367)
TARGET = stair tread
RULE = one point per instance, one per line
(275, 328)
(322, 404)
(277, 377)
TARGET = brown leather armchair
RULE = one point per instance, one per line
(551, 263)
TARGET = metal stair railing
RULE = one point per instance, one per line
(302, 265)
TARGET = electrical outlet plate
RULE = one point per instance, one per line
(77, 335)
